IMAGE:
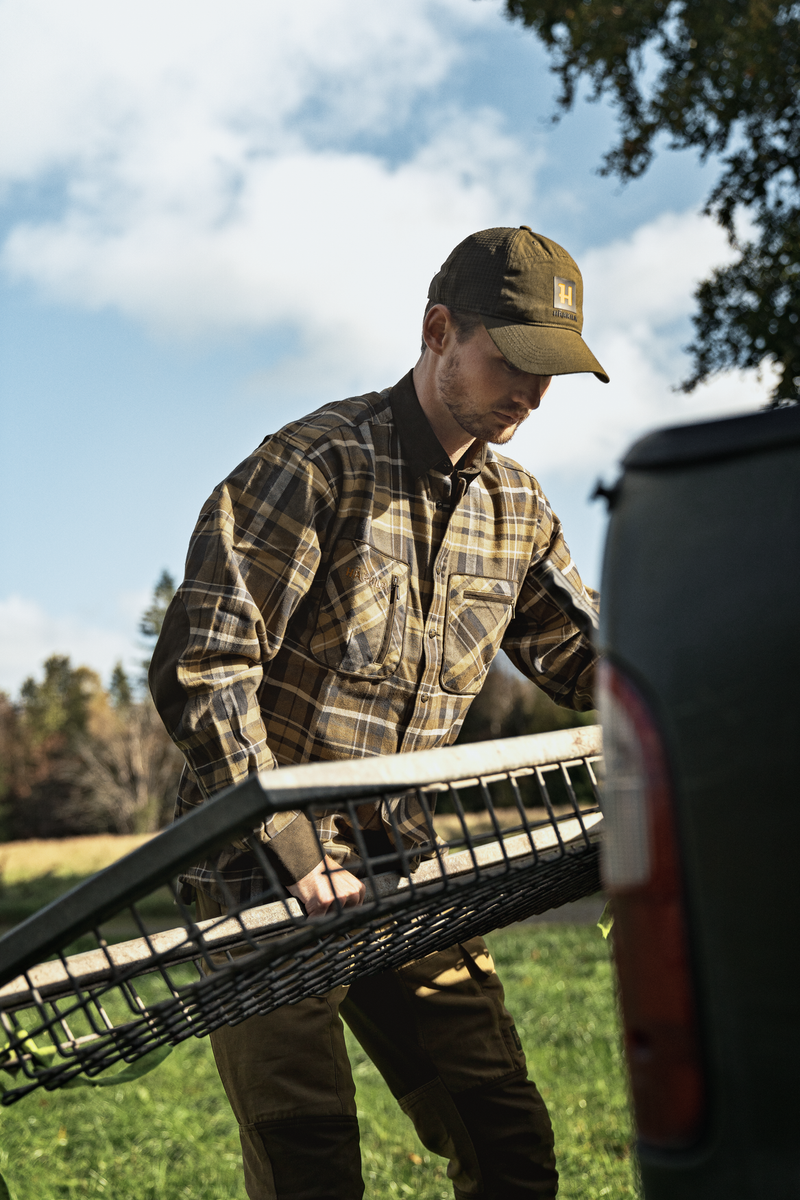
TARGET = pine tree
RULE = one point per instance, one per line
(120, 689)
(153, 618)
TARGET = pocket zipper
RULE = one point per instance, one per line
(389, 621)
(473, 595)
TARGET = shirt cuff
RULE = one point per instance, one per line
(295, 850)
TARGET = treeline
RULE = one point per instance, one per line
(77, 757)
(510, 705)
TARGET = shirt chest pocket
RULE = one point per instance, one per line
(478, 610)
(362, 613)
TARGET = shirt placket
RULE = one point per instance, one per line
(445, 495)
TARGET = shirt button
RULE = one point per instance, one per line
(432, 633)
(423, 699)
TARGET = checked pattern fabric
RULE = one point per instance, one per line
(346, 591)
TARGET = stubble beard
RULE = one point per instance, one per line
(487, 427)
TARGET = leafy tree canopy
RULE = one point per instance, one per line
(61, 703)
(726, 82)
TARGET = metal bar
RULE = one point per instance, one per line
(236, 809)
(93, 968)
(206, 974)
(251, 985)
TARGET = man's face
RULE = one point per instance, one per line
(484, 393)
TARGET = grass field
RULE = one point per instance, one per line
(33, 873)
(64, 857)
(170, 1136)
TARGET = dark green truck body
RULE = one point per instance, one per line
(701, 610)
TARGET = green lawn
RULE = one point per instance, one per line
(170, 1136)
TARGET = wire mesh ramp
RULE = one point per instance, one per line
(512, 830)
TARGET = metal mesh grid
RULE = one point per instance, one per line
(502, 847)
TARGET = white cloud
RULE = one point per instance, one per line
(94, 82)
(637, 295)
(213, 182)
(340, 246)
(29, 635)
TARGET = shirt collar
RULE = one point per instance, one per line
(422, 449)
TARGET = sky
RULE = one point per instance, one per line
(214, 218)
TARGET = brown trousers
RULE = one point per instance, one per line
(440, 1035)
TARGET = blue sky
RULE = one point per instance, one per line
(214, 218)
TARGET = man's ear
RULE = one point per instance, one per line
(435, 326)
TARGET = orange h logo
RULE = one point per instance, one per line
(564, 294)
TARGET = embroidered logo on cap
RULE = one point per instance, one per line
(565, 294)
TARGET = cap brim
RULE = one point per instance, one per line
(543, 349)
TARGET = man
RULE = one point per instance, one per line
(346, 590)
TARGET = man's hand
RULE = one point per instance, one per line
(316, 890)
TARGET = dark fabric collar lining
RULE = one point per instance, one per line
(421, 448)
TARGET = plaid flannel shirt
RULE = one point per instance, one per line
(346, 591)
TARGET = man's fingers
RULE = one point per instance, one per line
(326, 886)
(353, 899)
(343, 885)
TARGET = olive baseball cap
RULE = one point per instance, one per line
(528, 291)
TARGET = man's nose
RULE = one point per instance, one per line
(530, 392)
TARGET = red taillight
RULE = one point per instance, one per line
(642, 874)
